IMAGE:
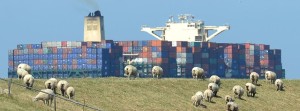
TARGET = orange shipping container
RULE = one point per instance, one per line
(178, 49)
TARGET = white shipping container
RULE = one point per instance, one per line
(58, 44)
(174, 44)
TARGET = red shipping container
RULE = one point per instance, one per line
(65, 66)
(64, 44)
(54, 50)
(178, 49)
(29, 46)
(40, 51)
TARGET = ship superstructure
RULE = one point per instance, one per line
(185, 29)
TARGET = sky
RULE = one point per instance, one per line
(272, 22)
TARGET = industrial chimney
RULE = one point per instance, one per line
(94, 27)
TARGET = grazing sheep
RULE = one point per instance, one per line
(45, 97)
(254, 77)
(213, 87)
(49, 84)
(157, 71)
(70, 92)
(228, 99)
(270, 75)
(208, 94)
(215, 79)
(231, 106)
(28, 80)
(6, 91)
(279, 84)
(238, 90)
(130, 71)
(251, 89)
(198, 72)
(197, 98)
(62, 85)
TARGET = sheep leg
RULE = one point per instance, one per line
(254, 94)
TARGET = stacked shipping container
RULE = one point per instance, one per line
(177, 58)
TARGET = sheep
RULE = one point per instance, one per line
(231, 106)
(213, 87)
(49, 84)
(62, 85)
(251, 89)
(21, 68)
(270, 75)
(28, 80)
(130, 70)
(208, 94)
(254, 77)
(45, 97)
(6, 91)
(70, 92)
(215, 79)
(238, 90)
(197, 98)
(279, 84)
(228, 99)
(157, 71)
(21, 73)
(198, 72)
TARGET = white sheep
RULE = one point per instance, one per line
(28, 80)
(197, 98)
(215, 79)
(254, 77)
(270, 75)
(213, 87)
(228, 98)
(25, 67)
(70, 92)
(45, 97)
(21, 73)
(208, 94)
(198, 72)
(279, 84)
(62, 85)
(251, 89)
(238, 90)
(49, 84)
(6, 91)
(130, 70)
(157, 72)
(231, 106)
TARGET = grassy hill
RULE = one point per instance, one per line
(120, 94)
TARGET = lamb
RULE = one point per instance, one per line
(198, 72)
(70, 92)
(238, 90)
(213, 87)
(254, 77)
(49, 84)
(130, 71)
(28, 80)
(231, 106)
(270, 75)
(45, 97)
(157, 71)
(21, 68)
(251, 89)
(279, 84)
(21, 73)
(197, 98)
(208, 94)
(228, 99)
(62, 85)
(215, 79)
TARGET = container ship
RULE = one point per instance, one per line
(181, 45)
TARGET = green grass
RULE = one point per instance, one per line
(121, 94)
